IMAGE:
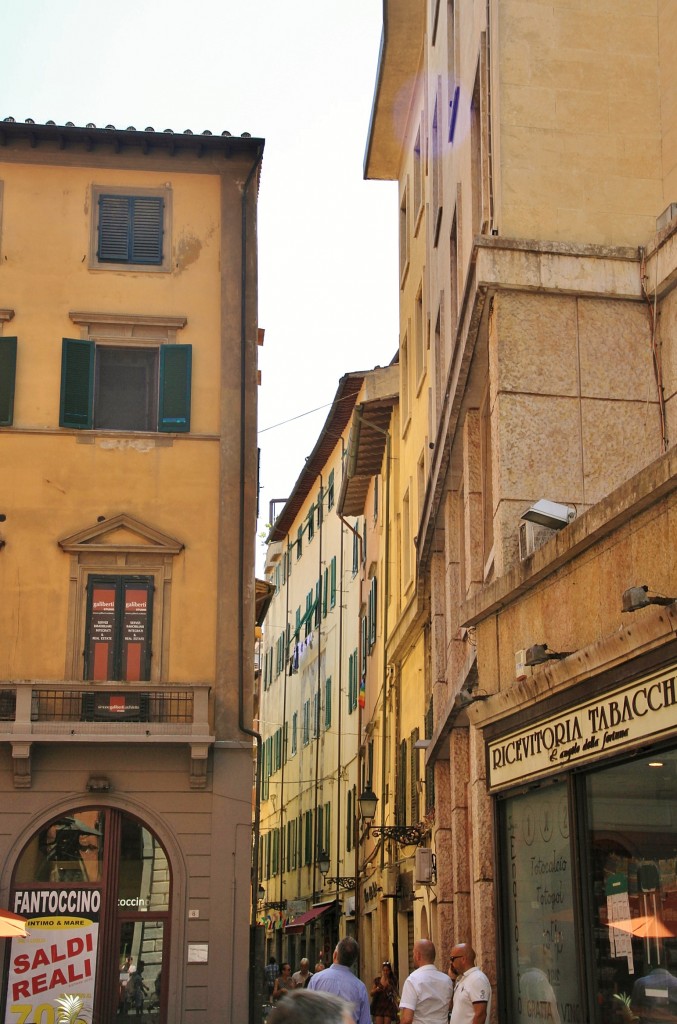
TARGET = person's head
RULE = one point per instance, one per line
(424, 952)
(304, 1006)
(461, 958)
(140, 967)
(346, 952)
(319, 966)
(387, 970)
(285, 969)
(272, 960)
(305, 964)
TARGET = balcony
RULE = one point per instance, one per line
(58, 712)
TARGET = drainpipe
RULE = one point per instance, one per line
(317, 723)
(247, 730)
(284, 723)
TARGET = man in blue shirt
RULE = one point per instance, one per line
(340, 980)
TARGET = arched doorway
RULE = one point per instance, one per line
(95, 883)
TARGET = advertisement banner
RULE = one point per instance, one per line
(57, 957)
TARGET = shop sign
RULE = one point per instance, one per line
(58, 955)
(647, 708)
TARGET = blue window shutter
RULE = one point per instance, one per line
(7, 379)
(77, 383)
(175, 380)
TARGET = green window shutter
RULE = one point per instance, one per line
(175, 379)
(7, 379)
(351, 683)
(147, 227)
(330, 490)
(332, 583)
(327, 702)
(325, 592)
(130, 229)
(114, 228)
(77, 383)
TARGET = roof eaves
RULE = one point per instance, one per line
(337, 419)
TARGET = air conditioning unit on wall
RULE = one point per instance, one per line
(424, 866)
(531, 537)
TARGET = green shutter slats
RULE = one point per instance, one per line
(77, 383)
(147, 217)
(7, 380)
(175, 385)
(131, 229)
(114, 229)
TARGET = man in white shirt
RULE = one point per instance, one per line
(426, 994)
(472, 990)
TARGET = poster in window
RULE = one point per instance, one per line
(58, 955)
(134, 633)
(538, 887)
(102, 633)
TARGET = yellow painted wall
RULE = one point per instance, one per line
(57, 482)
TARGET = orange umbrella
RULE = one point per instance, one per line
(11, 924)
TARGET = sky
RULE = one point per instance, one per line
(300, 74)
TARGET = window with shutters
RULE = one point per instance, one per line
(111, 387)
(7, 380)
(130, 228)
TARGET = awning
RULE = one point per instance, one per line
(296, 926)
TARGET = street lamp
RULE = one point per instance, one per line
(368, 801)
(323, 862)
(407, 835)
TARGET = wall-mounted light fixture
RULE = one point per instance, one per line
(549, 513)
(537, 654)
(323, 862)
(639, 597)
(341, 881)
(406, 835)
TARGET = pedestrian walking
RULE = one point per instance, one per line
(426, 994)
(340, 980)
(385, 998)
(472, 988)
(283, 983)
(303, 975)
(271, 971)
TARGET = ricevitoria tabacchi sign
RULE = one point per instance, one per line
(620, 718)
(58, 955)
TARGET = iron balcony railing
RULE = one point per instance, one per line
(37, 710)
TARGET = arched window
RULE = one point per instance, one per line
(95, 884)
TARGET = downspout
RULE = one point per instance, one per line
(247, 730)
(384, 667)
(284, 723)
(317, 723)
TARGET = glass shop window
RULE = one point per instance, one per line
(632, 819)
(540, 951)
(69, 849)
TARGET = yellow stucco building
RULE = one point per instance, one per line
(128, 341)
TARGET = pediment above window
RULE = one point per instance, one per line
(121, 534)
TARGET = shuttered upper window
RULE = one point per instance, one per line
(110, 387)
(7, 377)
(130, 229)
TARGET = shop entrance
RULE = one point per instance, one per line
(95, 884)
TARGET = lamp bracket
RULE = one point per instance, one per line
(405, 835)
(342, 881)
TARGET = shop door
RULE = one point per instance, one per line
(95, 885)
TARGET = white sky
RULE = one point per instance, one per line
(300, 74)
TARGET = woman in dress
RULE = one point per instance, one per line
(283, 982)
(385, 998)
